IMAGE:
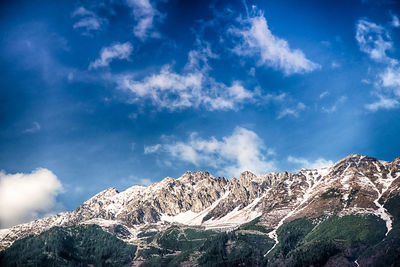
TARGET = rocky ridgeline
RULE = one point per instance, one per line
(355, 184)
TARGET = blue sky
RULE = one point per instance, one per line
(117, 93)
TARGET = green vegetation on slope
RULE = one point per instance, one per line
(368, 229)
(290, 234)
(174, 246)
(386, 252)
(254, 225)
(75, 246)
(177, 246)
(235, 249)
(303, 242)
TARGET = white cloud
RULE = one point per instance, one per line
(87, 21)
(108, 54)
(24, 197)
(383, 102)
(252, 72)
(198, 58)
(323, 94)
(258, 41)
(395, 21)
(292, 111)
(243, 150)
(306, 164)
(366, 81)
(335, 65)
(151, 149)
(276, 97)
(374, 40)
(193, 87)
(82, 11)
(144, 14)
(172, 91)
(391, 78)
(35, 128)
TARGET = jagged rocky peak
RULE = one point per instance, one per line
(353, 159)
(356, 162)
(111, 191)
(395, 165)
(396, 161)
(194, 177)
(105, 194)
(247, 177)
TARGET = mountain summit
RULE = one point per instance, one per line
(356, 185)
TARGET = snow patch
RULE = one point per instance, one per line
(381, 212)
(236, 217)
(192, 218)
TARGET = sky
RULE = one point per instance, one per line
(119, 93)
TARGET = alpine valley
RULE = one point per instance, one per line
(344, 215)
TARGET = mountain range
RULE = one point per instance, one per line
(346, 214)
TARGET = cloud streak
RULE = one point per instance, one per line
(87, 21)
(144, 14)
(257, 41)
(291, 111)
(35, 128)
(108, 54)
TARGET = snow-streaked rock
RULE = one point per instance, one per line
(354, 185)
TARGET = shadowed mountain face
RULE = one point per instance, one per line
(355, 189)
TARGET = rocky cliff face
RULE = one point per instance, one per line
(354, 185)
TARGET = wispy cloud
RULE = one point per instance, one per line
(323, 94)
(35, 128)
(108, 54)
(383, 102)
(87, 21)
(391, 78)
(144, 14)
(292, 111)
(198, 58)
(373, 39)
(151, 149)
(258, 41)
(395, 21)
(241, 151)
(307, 164)
(26, 196)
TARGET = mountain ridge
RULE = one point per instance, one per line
(356, 184)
